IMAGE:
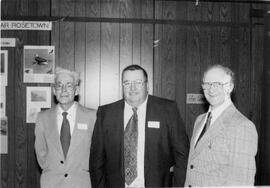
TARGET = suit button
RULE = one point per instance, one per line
(61, 162)
(191, 166)
(189, 186)
(66, 175)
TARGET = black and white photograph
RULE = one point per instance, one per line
(136, 93)
(39, 64)
(4, 135)
(3, 101)
(4, 67)
(36, 98)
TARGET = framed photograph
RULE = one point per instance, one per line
(39, 63)
(4, 67)
(37, 98)
(3, 101)
(4, 135)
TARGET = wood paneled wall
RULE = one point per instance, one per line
(174, 54)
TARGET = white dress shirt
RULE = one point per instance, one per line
(215, 114)
(71, 116)
(141, 112)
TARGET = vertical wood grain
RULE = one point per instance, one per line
(137, 33)
(257, 42)
(243, 73)
(158, 51)
(21, 154)
(147, 42)
(79, 47)
(109, 54)
(42, 8)
(193, 73)
(92, 50)
(181, 59)
(169, 52)
(101, 50)
(55, 33)
(8, 167)
(125, 32)
(7, 160)
(66, 46)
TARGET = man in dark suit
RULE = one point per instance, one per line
(137, 140)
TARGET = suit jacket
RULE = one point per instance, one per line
(165, 146)
(225, 155)
(56, 171)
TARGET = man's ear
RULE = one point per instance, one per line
(147, 87)
(77, 90)
(228, 88)
(54, 92)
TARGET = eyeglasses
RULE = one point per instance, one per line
(214, 85)
(68, 86)
(138, 83)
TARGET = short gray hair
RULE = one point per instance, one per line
(226, 70)
(75, 75)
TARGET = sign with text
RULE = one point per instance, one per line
(193, 98)
(8, 42)
(26, 25)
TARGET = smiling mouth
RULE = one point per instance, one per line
(133, 93)
(64, 96)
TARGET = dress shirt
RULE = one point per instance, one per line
(71, 116)
(141, 112)
(215, 114)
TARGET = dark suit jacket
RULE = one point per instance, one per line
(165, 146)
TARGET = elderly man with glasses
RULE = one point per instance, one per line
(224, 142)
(138, 139)
(63, 136)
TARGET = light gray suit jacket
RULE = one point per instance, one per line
(56, 171)
(225, 155)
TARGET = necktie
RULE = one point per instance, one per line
(130, 148)
(206, 125)
(65, 134)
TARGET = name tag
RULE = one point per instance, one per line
(82, 126)
(153, 124)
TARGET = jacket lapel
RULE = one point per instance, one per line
(214, 129)
(119, 124)
(75, 137)
(197, 127)
(53, 130)
(149, 114)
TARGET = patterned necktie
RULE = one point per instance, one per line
(206, 125)
(65, 134)
(130, 148)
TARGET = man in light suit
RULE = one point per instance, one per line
(138, 139)
(63, 137)
(224, 142)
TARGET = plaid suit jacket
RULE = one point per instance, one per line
(225, 155)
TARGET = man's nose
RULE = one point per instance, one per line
(133, 86)
(212, 89)
(64, 88)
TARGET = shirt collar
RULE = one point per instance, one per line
(142, 106)
(218, 110)
(70, 111)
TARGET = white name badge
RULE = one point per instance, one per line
(153, 124)
(82, 126)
